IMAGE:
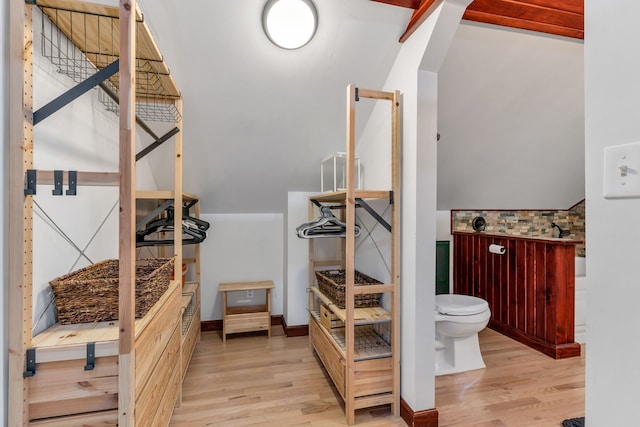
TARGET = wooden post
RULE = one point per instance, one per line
(127, 244)
(20, 108)
(177, 196)
(350, 257)
(395, 249)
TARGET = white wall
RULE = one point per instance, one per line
(4, 184)
(297, 282)
(415, 74)
(519, 112)
(612, 99)
(81, 136)
(241, 248)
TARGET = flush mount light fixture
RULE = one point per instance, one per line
(290, 24)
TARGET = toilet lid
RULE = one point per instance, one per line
(460, 305)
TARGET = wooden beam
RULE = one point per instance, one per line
(523, 24)
(411, 4)
(127, 229)
(20, 239)
(94, 179)
(350, 219)
(420, 15)
(558, 17)
(563, 18)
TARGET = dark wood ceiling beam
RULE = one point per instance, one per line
(423, 11)
(527, 12)
(559, 17)
(524, 24)
(576, 6)
(410, 4)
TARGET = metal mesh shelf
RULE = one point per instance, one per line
(79, 44)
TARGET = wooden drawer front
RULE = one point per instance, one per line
(373, 377)
(161, 391)
(190, 341)
(101, 419)
(65, 388)
(331, 358)
(153, 339)
(246, 322)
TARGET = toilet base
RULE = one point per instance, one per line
(455, 355)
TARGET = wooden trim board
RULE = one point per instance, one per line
(424, 418)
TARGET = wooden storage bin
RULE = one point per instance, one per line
(328, 318)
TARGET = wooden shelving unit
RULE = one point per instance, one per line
(108, 373)
(362, 357)
(190, 301)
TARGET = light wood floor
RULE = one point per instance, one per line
(255, 381)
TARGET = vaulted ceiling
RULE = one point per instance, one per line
(258, 120)
(558, 17)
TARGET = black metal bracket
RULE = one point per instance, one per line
(374, 214)
(31, 363)
(30, 182)
(75, 92)
(57, 183)
(91, 356)
(72, 176)
(357, 95)
(156, 143)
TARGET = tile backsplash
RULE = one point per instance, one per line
(527, 222)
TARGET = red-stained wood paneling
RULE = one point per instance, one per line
(530, 288)
(559, 17)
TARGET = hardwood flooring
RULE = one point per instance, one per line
(254, 381)
(519, 387)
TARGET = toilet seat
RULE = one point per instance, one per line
(460, 305)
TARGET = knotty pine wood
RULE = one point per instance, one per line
(519, 387)
(255, 381)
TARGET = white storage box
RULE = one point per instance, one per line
(333, 173)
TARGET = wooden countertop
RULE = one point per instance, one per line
(553, 240)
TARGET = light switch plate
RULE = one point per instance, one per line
(622, 171)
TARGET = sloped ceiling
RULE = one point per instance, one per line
(511, 121)
(258, 120)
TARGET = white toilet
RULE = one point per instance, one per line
(459, 318)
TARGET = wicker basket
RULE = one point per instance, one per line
(332, 284)
(91, 294)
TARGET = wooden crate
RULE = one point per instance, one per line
(329, 319)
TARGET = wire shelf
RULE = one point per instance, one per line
(80, 44)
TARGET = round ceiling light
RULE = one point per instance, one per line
(290, 24)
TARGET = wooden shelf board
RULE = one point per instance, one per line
(163, 195)
(190, 288)
(340, 196)
(368, 344)
(245, 286)
(361, 315)
(244, 309)
(60, 337)
(184, 303)
(83, 22)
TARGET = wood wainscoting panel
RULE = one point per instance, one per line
(530, 287)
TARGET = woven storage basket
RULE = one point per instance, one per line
(91, 294)
(332, 285)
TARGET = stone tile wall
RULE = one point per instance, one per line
(527, 222)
